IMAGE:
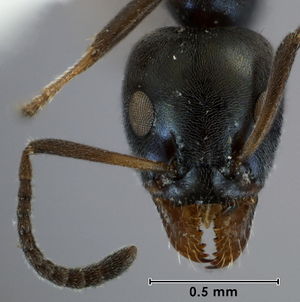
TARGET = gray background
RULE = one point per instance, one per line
(83, 211)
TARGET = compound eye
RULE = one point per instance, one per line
(141, 113)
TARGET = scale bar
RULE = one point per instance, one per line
(152, 281)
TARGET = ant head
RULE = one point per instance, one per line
(187, 100)
(212, 13)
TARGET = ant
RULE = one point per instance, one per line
(202, 106)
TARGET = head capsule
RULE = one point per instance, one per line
(212, 13)
(188, 98)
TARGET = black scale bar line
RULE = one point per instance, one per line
(275, 282)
